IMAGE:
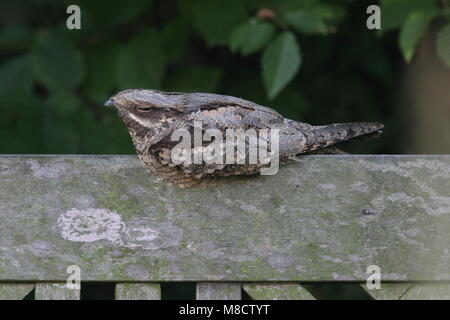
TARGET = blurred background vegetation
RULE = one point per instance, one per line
(312, 60)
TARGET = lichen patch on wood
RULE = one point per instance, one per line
(95, 224)
(323, 218)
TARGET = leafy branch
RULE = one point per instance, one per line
(412, 19)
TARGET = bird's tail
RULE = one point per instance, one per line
(324, 136)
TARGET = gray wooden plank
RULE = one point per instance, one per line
(388, 291)
(428, 291)
(55, 291)
(323, 218)
(218, 291)
(138, 291)
(277, 292)
(15, 291)
(411, 291)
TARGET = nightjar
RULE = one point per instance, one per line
(157, 121)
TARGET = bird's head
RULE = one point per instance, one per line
(142, 109)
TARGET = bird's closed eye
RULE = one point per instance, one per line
(144, 109)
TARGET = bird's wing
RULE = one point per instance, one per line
(192, 102)
(224, 116)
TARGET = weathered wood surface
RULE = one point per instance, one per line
(15, 291)
(323, 218)
(277, 292)
(218, 291)
(138, 291)
(55, 291)
(411, 291)
(388, 291)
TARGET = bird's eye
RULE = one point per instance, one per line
(144, 109)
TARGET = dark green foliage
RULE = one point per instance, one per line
(56, 63)
(215, 19)
(251, 36)
(53, 81)
(280, 62)
(141, 62)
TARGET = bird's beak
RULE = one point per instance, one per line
(109, 103)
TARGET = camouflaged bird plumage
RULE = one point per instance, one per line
(151, 117)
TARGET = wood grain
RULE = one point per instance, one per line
(218, 291)
(138, 291)
(277, 292)
(324, 218)
(55, 291)
(15, 291)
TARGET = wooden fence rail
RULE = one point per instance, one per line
(320, 219)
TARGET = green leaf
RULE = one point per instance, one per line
(142, 62)
(15, 76)
(56, 63)
(238, 36)
(106, 13)
(100, 61)
(306, 21)
(331, 12)
(443, 44)
(412, 31)
(260, 33)
(395, 12)
(281, 61)
(194, 79)
(215, 19)
(251, 36)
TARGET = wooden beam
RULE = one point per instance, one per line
(277, 291)
(138, 291)
(218, 291)
(55, 291)
(15, 291)
(323, 218)
(411, 291)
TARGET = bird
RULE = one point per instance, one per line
(153, 117)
